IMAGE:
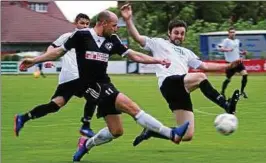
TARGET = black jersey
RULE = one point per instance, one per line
(92, 57)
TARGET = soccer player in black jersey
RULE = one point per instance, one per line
(93, 48)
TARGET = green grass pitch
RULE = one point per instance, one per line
(53, 139)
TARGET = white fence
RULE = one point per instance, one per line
(11, 67)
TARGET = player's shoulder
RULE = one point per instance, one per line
(82, 31)
(65, 35)
(157, 39)
(115, 38)
(227, 39)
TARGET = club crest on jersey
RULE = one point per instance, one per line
(108, 46)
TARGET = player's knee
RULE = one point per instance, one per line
(59, 101)
(53, 107)
(117, 132)
(201, 77)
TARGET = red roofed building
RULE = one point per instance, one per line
(31, 25)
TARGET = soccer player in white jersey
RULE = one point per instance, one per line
(68, 82)
(230, 47)
(93, 48)
(176, 83)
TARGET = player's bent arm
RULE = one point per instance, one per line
(213, 66)
(142, 58)
(50, 55)
(134, 32)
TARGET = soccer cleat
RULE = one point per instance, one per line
(86, 131)
(244, 94)
(144, 135)
(18, 124)
(82, 150)
(81, 141)
(231, 107)
(178, 132)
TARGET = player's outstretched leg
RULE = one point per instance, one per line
(212, 94)
(37, 112)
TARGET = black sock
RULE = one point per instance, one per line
(225, 83)
(212, 94)
(89, 109)
(41, 110)
(244, 82)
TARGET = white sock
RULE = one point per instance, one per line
(149, 122)
(102, 137)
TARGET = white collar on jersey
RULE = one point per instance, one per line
(98, 39)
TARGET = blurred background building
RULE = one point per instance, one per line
(30, 25)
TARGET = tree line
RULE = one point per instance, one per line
(151, 18)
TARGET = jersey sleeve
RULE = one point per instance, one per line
(118, 47)
(72, 41)
(150, 43)
(60, 40)
(193, 60)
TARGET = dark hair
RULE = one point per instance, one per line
(80, 16)
(231, 28)
(176, 23)
(102, 16)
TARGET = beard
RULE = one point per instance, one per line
(176, 42)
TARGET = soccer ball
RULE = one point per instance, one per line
(36, 74)
(226, 123)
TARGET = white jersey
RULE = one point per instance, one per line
(232, 44)
(180, 57)
(69, 69)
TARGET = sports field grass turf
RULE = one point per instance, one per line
(53, 139)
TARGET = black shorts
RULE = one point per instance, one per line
(104, 95)
(68, 89)
(230, 72)
(174, 92)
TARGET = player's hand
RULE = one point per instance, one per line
(165, 62)
(244, 52)
(26, 63)
(126, 11)
(235, 63)
(49, 65)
